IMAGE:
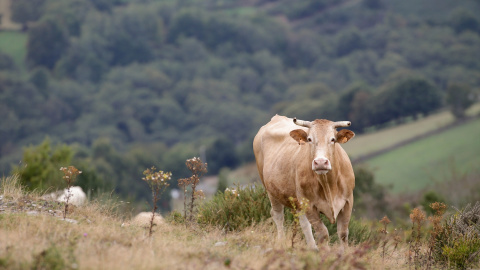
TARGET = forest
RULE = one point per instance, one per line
(116, 86)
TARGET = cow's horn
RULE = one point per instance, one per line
(302, 123)
(341, 124)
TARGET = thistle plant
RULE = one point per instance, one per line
(418, 217)
(298, 209)
(385, 221)
(386, 239)
(158, 182)
(198, 168)
(70, 175)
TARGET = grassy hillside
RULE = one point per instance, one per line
(95, 236)
(35, 237)
(13, 44)
(429, 160)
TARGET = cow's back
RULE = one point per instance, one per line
(275, 152)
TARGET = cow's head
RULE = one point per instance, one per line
(321, 137)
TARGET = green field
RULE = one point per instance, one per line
(13, 44)
(430, 160)
(385, 138)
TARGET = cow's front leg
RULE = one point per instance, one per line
(307, 231)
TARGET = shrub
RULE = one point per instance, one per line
(50, 258)
(237, 208)
(458, 242)
(40, 166)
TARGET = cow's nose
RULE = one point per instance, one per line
(321, 162)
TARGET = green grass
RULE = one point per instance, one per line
(14, 44)
(430, 160)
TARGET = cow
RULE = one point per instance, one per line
(304, 160)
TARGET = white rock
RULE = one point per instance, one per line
(73, 221)
(220, 244)
(143, 219)
(77, 196)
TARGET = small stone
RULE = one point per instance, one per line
(268, 250)
(32, 213)
(73, 221)
(220, 244)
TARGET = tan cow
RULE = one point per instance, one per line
(302, 159)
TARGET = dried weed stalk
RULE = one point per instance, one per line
(418, 217)
(198, 168)
(386, 239)
(70, 175)
(383, 231)
(158, 182)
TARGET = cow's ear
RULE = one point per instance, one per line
(344, 135)
(299, 135)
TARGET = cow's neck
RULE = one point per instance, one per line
(330, 191)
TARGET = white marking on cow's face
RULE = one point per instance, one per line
(322, 143)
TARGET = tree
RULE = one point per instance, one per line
(349, 41)
(463, 20)
(70, 14)
(6, 62)
(408, 96)
(353, 105)
(25, 11)
(47, 41)
(221, 154)
(459, 98)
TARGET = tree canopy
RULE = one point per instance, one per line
(140, 82)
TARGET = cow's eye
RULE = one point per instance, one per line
(309, 139)
(333, 140)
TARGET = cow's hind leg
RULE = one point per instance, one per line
(343, 220)
(278, 217)
(321, 231)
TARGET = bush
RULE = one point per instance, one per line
(40, 168)
(237, 208)
(458, 242)
(50, 258)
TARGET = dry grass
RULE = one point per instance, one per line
(99, 241)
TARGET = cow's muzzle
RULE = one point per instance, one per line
(321, 165)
